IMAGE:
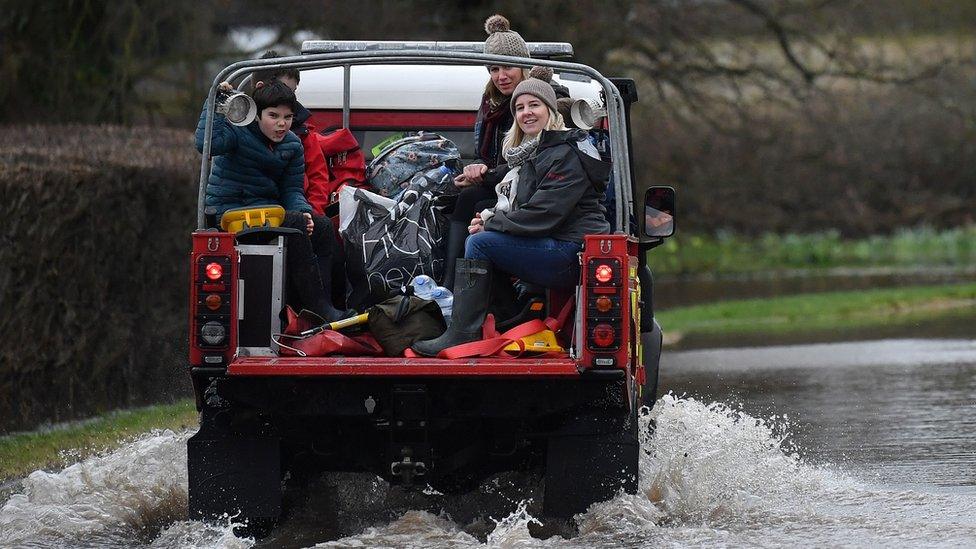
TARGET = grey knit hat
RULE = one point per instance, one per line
(537, 84)
(502, 40)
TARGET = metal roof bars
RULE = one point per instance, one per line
(538, 50)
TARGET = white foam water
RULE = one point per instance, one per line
(710, 475)
(121, 499)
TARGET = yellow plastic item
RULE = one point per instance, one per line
(543, 342)
(351, 321)
(236, 220)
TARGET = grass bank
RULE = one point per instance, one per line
(834, 312)
(61, 445)
(731, 253)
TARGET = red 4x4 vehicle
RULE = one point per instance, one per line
(447, 422)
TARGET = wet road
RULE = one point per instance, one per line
(898, 412)
(852, 444)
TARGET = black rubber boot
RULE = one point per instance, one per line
(308, 282)
(326, 271)
(504, 304)
(472, 289)
(457, 233)
(308, 262)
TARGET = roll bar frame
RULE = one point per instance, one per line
(622, 178)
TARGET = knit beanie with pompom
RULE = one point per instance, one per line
(502, 40)
(537, 84)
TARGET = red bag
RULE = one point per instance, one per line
(316, 172)
(324, 343)
(345, 161)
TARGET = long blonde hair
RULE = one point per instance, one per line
(491, 92)
(514, 136)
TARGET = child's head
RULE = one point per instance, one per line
(276, 109)
(291, 77)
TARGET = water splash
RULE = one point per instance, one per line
(513, 530)
(415, 529)
(121, 499)
(712, 463)
(197, 535)
(710, 475)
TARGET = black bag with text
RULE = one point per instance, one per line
(388, 243)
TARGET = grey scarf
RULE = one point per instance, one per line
(516, 156)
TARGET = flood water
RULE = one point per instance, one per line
(853, 444)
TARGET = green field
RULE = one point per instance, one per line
(62, 445)
(730, 253)
(821, 312)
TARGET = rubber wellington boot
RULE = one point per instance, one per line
(307, 280)
(326, 272)
(472, 289)
(457, 233)
(504, 303)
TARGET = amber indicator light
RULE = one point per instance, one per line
(213, 302)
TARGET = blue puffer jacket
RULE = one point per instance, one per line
(251, 170)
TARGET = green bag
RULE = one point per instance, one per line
(402, 320)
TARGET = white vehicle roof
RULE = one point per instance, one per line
(413, 87)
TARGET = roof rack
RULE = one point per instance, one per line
(538, 50)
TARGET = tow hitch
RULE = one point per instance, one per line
(409, 444)
(407, 469)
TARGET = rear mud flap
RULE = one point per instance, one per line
(651, 343)
(234, 476)
(587, 466)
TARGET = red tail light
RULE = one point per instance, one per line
(604, 319)
(214, 271)
(212, 303)
(609, 267)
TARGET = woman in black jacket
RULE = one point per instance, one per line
(494, 118)
(546, 203)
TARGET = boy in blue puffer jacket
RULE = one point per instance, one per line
(263, 164)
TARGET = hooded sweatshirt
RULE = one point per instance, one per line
(558, 193)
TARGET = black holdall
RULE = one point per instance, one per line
(400, 321)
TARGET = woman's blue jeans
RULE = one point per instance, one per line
(544, 261)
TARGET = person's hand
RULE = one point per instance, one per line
(472, 175)
(225, 86)
(477, 224)
(309, 224)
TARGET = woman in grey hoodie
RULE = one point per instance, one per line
(547, 202)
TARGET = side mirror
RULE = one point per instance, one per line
(659, 212)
